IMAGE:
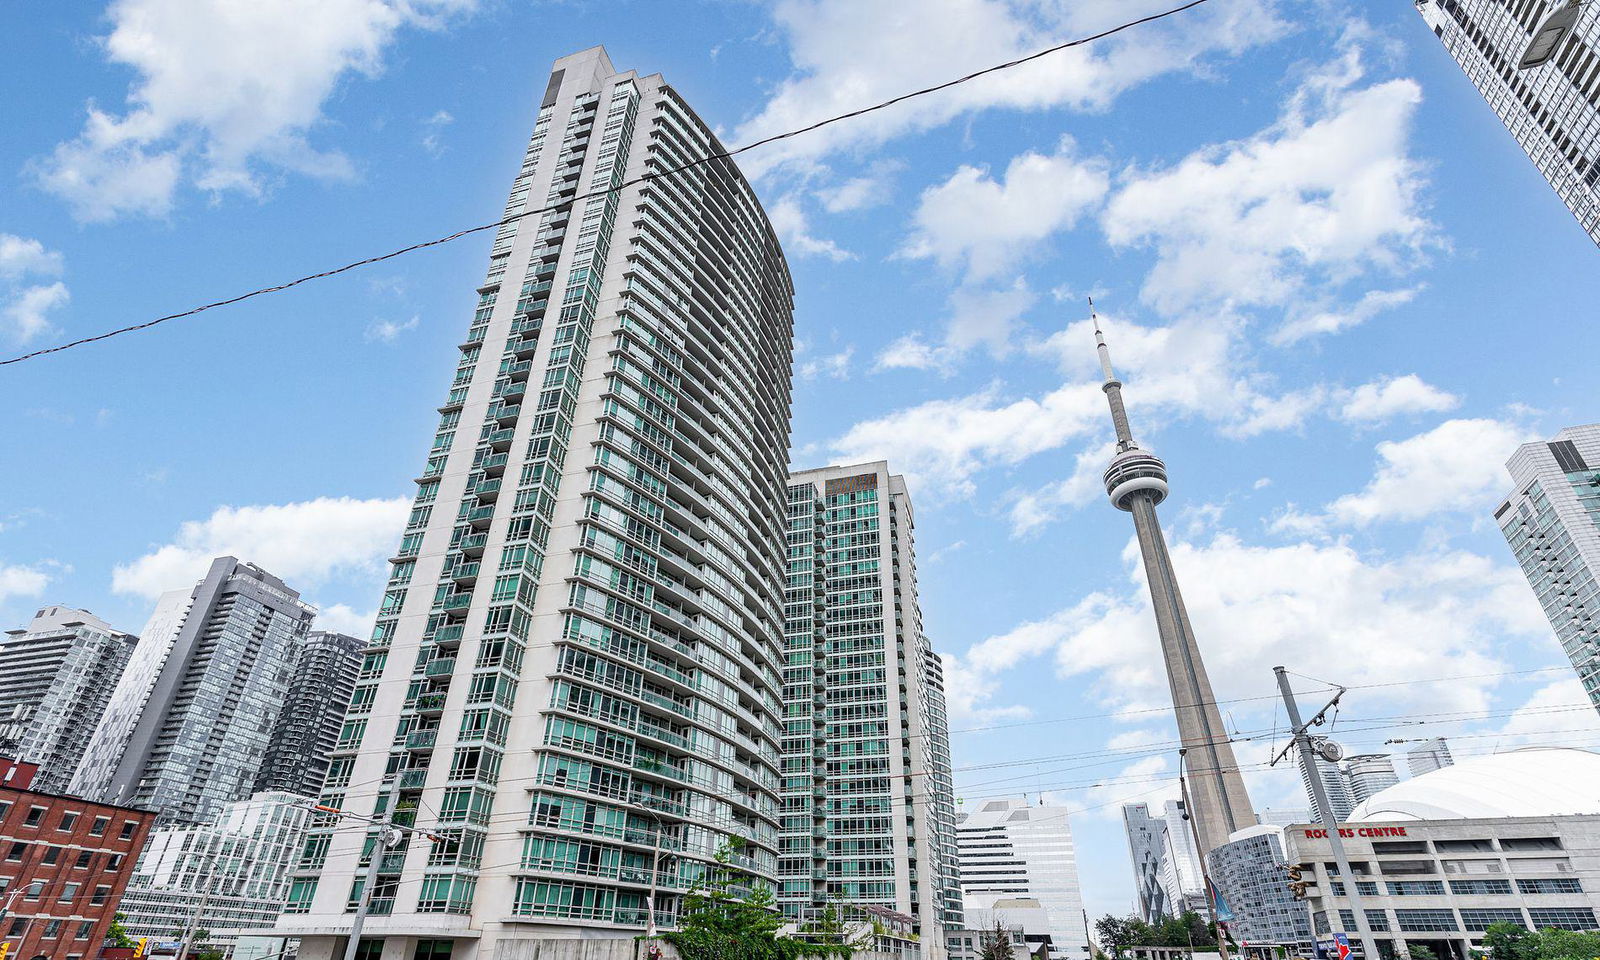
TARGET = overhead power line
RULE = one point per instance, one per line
(645, 178)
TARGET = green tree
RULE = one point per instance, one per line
(1116, 933)
(1510, 941)
(117, 934)
(1422, 952)
(1556, 944)
(725, 918)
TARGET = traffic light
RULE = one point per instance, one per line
(1297, 886)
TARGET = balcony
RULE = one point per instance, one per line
(487, 490)
(519, 370)
(412, 779)
(500, 440)
(472, 544)
(422, 739)
(442, 667)
(525, 326)
(480, 517)
(494, 465)
(448, 634)
(431, 703)
(507, 413)
(392, 863)
(458, 604)
(465, 574)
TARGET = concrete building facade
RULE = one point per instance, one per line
(1553, 110)
(56, 677)
(190, 720)
(1012, 849)
(1441, 883)
(577, 660)
(234, 871)
(868, 810)
(1551, 520)
(313, 711)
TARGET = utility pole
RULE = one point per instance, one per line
(388, 836)
(1352, 887)
(200, 905)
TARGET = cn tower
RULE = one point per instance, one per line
(1136, 481)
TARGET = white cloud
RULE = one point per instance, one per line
(1424, 614)
(986, 227)
(1383, 399)
(835, 366)
(941, 444)
(21, 256)
(1325, 193)
(910, 352)
(1456, 466)
(26, 303)
(1033, 511)
(1315, 323)
(388, 331)
(342, 618)
(871, 189)
(793, 227)
(19, 580)
(223, 93)
(1548, 718)
(848, 54)
(305, 543)
(27, 311)
(433, 128)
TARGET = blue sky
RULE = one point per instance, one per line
(1338, 291)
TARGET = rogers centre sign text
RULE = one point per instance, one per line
(1318, 834)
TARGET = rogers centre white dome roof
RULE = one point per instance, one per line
(1533, 782)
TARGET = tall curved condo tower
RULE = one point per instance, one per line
(575, 677)
(1136, 481)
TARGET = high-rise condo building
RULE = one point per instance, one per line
(1552, 522)
(575, 676)
(1166, 867)
(1136, 482)
(1368, 774)
(1247, 872)
(189, 722)
(1012, 849)
(1428, 756)
(308, 725)
(1553, 110)
(1334, 783)
(230, 875)
(868, 810)
(56, 676)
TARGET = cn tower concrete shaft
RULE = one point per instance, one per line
(1136, 482)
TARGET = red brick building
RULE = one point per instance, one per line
(64, 863)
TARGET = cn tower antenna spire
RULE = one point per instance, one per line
(1112, 387)
(1136, 481)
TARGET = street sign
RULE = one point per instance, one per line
(1341, 943)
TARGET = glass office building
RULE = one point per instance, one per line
(575, 676)
(1553, 110)
(868, 810)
